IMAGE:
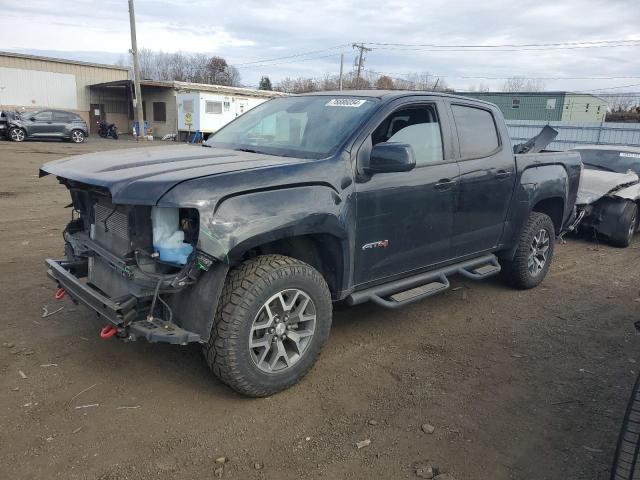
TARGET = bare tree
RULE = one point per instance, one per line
(186, 67)
(521, 84)
(384, 82)
(481, 87)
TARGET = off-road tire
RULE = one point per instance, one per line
(516, 272)
(246, 289)
(626, 227)
(625, 462)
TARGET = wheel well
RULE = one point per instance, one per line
(554, 208)
(322, 251)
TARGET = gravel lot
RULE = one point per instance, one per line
(517, 385)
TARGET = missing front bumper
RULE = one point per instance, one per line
(122, 312)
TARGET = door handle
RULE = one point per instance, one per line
(502, 174)
(444, 184)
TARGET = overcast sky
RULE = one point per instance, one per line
(253, 30)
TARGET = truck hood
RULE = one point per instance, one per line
(144, 175)
(595, 184)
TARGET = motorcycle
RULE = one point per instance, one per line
(106, 130)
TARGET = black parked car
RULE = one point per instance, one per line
(48, 124)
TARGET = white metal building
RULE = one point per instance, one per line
(179, 107)
(32, 82)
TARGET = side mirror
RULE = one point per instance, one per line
(33, 119)
(391, 157)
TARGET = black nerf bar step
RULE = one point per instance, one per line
(118, 313)
(408, 290)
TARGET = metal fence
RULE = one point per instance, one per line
(571, 135)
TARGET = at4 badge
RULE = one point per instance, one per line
(378, 244)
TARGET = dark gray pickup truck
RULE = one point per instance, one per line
(244, 244)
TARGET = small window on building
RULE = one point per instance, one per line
(159, 112)
(213, 107)
(227, 105)
(515, 103)
(551, 103)
(187, 106)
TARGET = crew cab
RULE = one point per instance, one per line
(243, 245)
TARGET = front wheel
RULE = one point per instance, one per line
(626, 227)
(17, 134)
(273, 319)
(534, 253)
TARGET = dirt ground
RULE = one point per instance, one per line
(518, 385)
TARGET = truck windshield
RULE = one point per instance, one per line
(304, 127)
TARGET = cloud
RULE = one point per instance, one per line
(259, 29)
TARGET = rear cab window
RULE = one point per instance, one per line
(477, 132)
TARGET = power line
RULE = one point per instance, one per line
(517, 75)
(303, 54)
(290, 61)
(569, 45)
(611, 88)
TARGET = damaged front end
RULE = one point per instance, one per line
(116, 265)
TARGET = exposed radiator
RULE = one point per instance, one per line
(111, 230)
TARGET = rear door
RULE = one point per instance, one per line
(487, 177)
(405, 219)
(61, 122)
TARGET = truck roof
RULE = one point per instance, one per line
(388, 95)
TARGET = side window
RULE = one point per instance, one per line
(44, 117)
(476, 131)
(62, 117)
(416, 126)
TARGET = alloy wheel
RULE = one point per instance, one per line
(17, 135)
(632, 228)
(538, 252)
(282, 330)
(77, 136)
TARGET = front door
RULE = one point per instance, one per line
(42, 124)
(405, 219)
(487, 176)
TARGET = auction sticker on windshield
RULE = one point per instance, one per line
(345, 102)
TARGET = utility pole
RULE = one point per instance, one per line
(341, 67)
(362, 49)
(139, 116)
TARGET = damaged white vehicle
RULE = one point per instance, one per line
(609, 193)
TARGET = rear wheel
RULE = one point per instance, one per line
(17, 134)
(77, 136)
(626, 227)
(533, 254)
(273, 319)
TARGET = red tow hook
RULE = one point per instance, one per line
(107, 332)
(60, 293)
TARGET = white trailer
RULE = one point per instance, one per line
(206, 112)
